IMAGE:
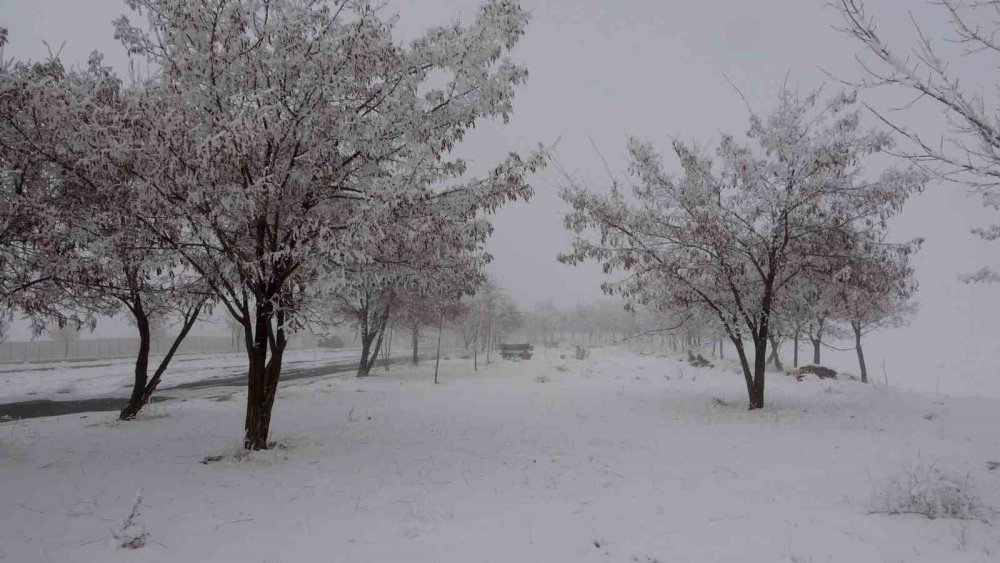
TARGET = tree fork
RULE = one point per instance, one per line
(141, 399)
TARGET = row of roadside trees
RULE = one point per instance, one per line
(772, 237)
(285, 159)
(783, 235)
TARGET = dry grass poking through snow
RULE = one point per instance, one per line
(930, 491)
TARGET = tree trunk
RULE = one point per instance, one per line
(817, 341)
(475, 353)
(257, 424)
(416, 333)
(795, 357)
(775, 350)
(369, 333)
(760, 339)
(759, 371)
(861, 353)
(722, 353)
(437, 359)
(141, 395)
(366, 341)
(375, 350)
(387, 356)
(135, 402)
(745, 365)
(263, 373)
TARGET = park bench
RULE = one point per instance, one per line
(509, 351)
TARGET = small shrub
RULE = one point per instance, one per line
(542, 379)
(931, 492)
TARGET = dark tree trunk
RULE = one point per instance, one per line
(135, 402)
(263, 373)
(817, 341)
(257, 424)
(437, 359)
(142, 394)
(366, 341)
(759, 370)
(416, 334)
(745, 365)
(861, 353)
(760, 340)
(722, 353)
(795, 356)
(369, 334)
(375, 349)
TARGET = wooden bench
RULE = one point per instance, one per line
(509, 351)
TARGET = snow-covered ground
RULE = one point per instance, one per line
(62, 380)
(621, 458)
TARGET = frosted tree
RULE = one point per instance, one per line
(483, 314)
(367, 306)
(730, 235)
(821, 313)
(94, 254)
(434, 307)
(507, 319)
(968, 153)
(873, 288)
(795, 313)
(26, 193)
(283, 136)
(421, 276)
(414, 311)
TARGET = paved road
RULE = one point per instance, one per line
(45, 407)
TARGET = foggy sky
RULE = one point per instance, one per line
(605, 70)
